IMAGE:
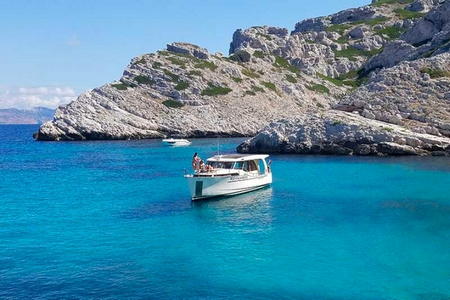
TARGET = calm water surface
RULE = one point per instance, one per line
(114, 219)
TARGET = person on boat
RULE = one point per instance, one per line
(196, 162)
(202, 166)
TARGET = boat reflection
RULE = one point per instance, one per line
(249, 213)
(243, 200)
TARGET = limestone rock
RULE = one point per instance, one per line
(188, 49)
(423, 5)
(407, 94)
(274, 74)
(354, 15)
(314, 24)
(427, 37)
(342, 133)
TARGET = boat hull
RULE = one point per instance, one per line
(210, 187)
(176, 142)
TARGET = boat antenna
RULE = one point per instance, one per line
(218, 138)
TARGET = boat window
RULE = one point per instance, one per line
(252, 165)
(239, 165)
(261, 167)
(220, 164)
(249, 166)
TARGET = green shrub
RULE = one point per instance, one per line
(156, 65)
(351, 79)
(256, 88)
(143, 80)
(172, 103)
(177, 61)
(351, 53)
(384, 2)
(182, 85)
(335, 81)
(241, 56)
(266, 36)
(236, 79)
(318, 88)
(214, 90)
(249, 93)
(259, 54)
(195, 73)
(371, 22)
(392, 32)
(291, 78)
(173, 77)
(164, 53)
(342, 40)
(339, 28)
(337, 122)
(142, 61)
(270, 86)
(281, 62)
(120, 86)
(435, 73)
(205, 65)
(250, 73)
(407, 14)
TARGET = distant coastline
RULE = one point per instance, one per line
(37, 115)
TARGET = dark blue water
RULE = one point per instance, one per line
(114, 219)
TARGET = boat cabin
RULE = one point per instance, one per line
(236, 164)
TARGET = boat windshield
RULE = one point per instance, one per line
(247, 166)
(220, 164)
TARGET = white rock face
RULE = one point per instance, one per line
(427, 37)
(272, 74)
(406, 95)
(191, 93)
(341, 133)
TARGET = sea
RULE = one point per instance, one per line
(114, 220)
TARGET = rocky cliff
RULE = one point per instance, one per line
(385, 63)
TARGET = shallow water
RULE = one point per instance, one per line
(114, 219)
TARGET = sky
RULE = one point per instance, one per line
(52, 50)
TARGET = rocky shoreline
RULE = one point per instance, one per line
(343, 133)
(373, 80)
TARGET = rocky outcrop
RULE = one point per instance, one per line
(342, 133)
(272, 74)
(191, 93)
(188, 49)
(427, 37)
(423, 5)
(413, 94)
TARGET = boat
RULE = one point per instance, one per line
(176, 142)
(228, 175)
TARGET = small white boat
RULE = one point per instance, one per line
(176, 142)
(226, 175)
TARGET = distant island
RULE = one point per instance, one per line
(372, 80)
(37, 115)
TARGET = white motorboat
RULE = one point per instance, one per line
(232, 174)
(176, 142)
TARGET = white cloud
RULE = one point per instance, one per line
(29, 97)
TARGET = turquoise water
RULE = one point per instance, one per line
(114, 219)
